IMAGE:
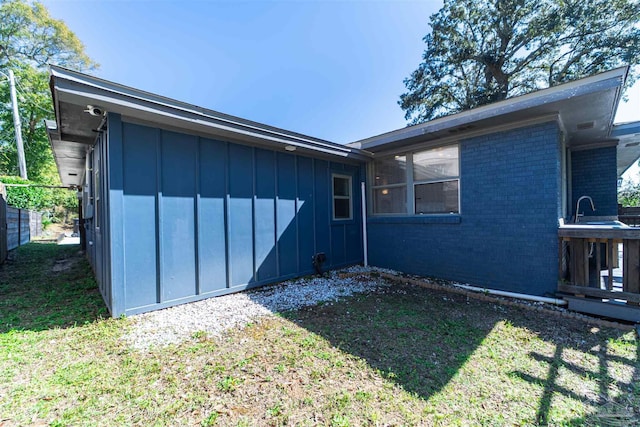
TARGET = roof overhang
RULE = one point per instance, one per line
(627, 136)
(76, 126)
(584, 109)
(68, 154)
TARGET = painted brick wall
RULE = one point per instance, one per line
(506, 234)
(594, 174)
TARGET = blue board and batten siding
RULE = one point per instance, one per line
(95, 216)
(191, 217)
(505, 236)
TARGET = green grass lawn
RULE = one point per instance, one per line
(402, 356)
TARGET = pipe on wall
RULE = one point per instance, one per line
(556, 301)
(364, 225)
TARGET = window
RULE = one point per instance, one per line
(390, 185)
(423, 182)
(435, 178)
(341, 197)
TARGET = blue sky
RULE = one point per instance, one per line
(329, 69)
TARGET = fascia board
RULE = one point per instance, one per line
(599, 82)
(76, 88)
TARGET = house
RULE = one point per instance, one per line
(181, 203)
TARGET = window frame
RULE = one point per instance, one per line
(372, 189)
(349, 197)
(410, 184)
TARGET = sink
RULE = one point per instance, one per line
(600, 222)
(614, 224)
(598, 228)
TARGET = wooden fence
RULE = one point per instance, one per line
(17, 226)
(630, 216)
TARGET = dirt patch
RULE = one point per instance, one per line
(64, 264)
(54, 230)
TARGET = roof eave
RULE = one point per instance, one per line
(571, 89)
(77, 88)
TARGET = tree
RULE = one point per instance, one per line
(28, 34)
(629, 194)
(482, 51)
(30, 39)
(35, 105)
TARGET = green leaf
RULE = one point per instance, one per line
(483, 51)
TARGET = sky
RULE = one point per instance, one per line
(328, 69)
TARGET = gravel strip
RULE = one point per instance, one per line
(215, 315)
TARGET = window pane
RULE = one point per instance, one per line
(391, 170)
(340, 186)
(390, 200)
(438, 197)
(342, 208)
(439, 163)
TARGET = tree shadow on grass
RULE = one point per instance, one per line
(45, 286)
(421, 338)
(616, 401)
(405, 333)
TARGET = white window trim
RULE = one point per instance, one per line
(334, 197)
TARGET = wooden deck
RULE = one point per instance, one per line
(599, 271)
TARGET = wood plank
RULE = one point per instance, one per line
(585, 261)
(608, 309)
(560, 260)
(614, 233)
(598, 266)
(598, 293)
(631, 276)
(610, 264)
(577, 262)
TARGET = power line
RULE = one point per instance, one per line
(68, 187)
(22, 91)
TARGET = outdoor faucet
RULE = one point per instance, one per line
(578, 214)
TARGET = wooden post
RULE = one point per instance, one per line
(631, 276)
(560, 260)
(610, 264)
(598, 264)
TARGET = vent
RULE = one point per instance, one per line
(73, 174)
(461, 129)
(585, 126)
(632, 144)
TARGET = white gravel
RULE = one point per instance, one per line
(215, 315)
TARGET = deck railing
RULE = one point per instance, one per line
(629, 215)
(602, 266)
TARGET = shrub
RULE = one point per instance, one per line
(57, 204)
(629, 194)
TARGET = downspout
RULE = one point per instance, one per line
(527, 297)
(364, 225)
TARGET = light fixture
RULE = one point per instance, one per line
(290, 147)
(94, 110)
(385, 191)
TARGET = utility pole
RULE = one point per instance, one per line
(18, 127)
